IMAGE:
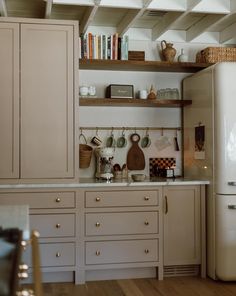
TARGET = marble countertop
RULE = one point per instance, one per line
(91, 182)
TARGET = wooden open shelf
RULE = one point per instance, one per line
(152, 66)
(133, 102)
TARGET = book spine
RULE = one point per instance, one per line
(108, 47)
(115, 46)
(86, 46)
(90, 45)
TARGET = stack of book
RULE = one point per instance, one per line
(109, 47)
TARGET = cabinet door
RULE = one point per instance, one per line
(47, 101)
(182, 225)
(9, 100)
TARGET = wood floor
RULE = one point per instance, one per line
(178, 286)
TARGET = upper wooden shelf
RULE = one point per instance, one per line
(151, 66)
(133, 102)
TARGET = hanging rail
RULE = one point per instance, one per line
(129, 128)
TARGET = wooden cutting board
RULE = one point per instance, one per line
(135, 156)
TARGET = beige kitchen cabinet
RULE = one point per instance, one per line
(53, 214)
(121, 233)
(42, 93)
(184, 235)
(9, 100)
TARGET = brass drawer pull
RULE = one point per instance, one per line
(58, 225)
(58, 199)
(97, 253)
(146, 223)
(58, 254)
(146, 197)
(146, 251)
(97, 224)
(166, 204)
(98, 199)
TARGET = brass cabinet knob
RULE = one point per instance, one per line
(25, 293)
(23, 275)
(97, 253)
(23, 267)
(146, 251)
(98, 199)
(58, 225)
(146, 197)
(97, 224)
(146, 223)
(58, 199)
(58, 254)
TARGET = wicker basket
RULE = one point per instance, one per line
(216, 54)
(85, 153)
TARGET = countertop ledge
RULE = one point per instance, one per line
(90, 182)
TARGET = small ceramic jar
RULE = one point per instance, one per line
(83, 90)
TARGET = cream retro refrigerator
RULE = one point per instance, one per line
(210, 152)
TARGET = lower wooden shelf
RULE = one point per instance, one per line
(120, 102)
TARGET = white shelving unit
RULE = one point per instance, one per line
(195, 20)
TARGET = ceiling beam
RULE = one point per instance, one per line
(170, 18)
(228, 33)
(88, 16)
(161, 27)
(130, 18)
(48, 10)
(203, 25)
(3, 9)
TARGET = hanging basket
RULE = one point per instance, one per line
(85, 154)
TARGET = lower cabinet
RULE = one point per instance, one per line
(184, 235)
(53, 215)
(122, 230)
(116, 232)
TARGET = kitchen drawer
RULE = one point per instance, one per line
(40, 200)
(121, 223)
(53, 254)
(121, 198)
(53, 225)
(121, 251)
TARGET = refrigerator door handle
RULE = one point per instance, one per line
(232, 183)
(232, 207)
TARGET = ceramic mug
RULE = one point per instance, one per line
(83, 90)
(143, 94)
(111, 142)
(121, 141)
(91, 90)
(146, 141)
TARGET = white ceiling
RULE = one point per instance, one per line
(193, 17)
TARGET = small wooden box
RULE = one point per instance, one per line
(136, 55)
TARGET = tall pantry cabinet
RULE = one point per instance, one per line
(37, 101)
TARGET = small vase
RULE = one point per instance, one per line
(168, 51)
(182, 57)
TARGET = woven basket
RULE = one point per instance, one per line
(85, 153)
(216, 54)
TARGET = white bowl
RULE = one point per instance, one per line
(138, 177)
